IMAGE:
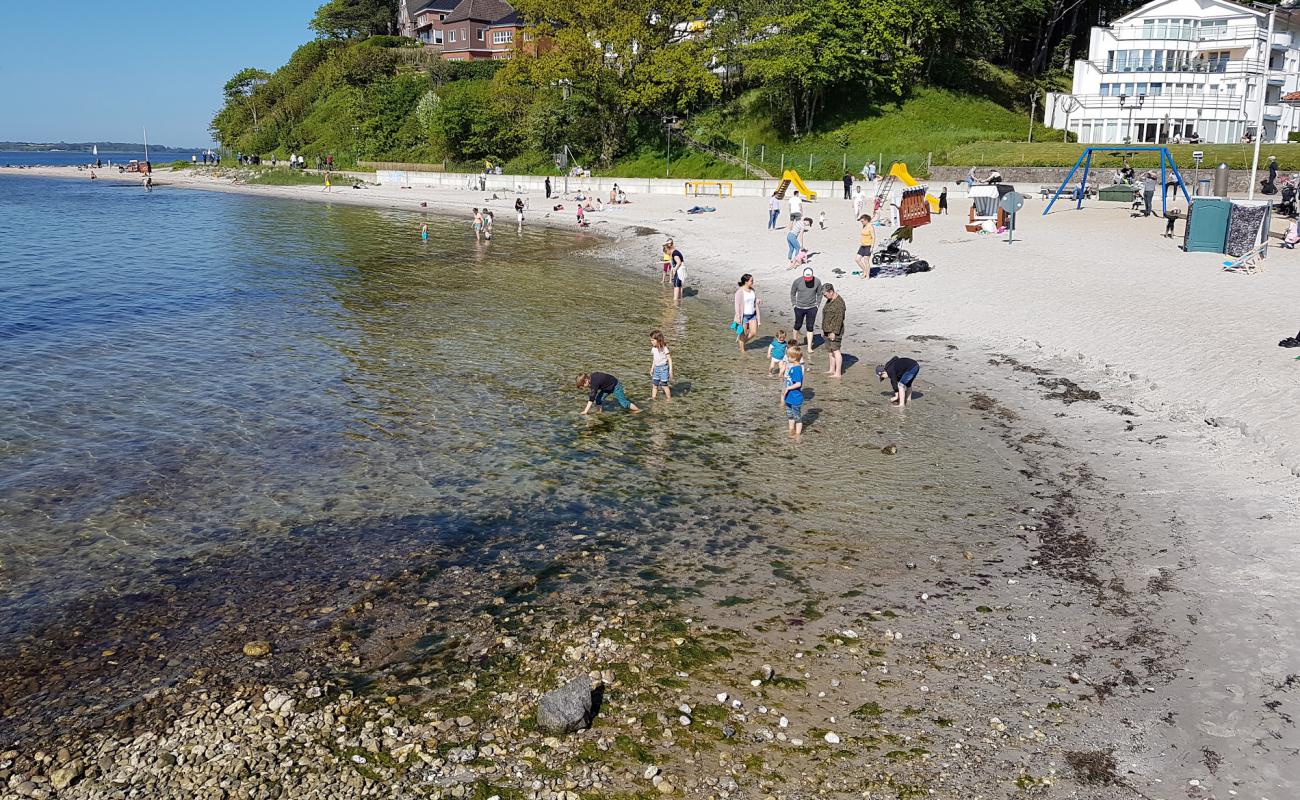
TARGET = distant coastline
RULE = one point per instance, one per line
(86, 147)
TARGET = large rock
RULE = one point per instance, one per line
(568, 708)
(65, 776)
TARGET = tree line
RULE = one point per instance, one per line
(605, 73)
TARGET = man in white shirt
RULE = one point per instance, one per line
(796, 209)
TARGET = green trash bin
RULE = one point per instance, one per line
(1118, 193)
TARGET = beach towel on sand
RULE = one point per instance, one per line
(700, 209)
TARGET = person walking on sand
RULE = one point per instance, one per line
(794, 241)
(943, 200)
(848, 185)
(833, 329)
(796, 209)
(478, 225)
(747, 314)
(661, 366)
(792, 392)
(773, 211)
(548, 188)
(329, 181)
(859, 201)
(519, 213)
(600, 385)
(806, 296)
(679, 273)
(901, 373)
(1148, 192)
(866, 241)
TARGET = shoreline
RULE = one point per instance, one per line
(1145, 563)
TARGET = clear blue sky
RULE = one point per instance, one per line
(79, 71)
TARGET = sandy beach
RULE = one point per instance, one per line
(1134, 624)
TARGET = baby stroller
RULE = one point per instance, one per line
(1287, 206)
(893, 252)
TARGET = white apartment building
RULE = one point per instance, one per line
(1183, 70)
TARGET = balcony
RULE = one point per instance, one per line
(1272, 111)
(1209, 101)
(1282, 40)
(1234, 68)
(1222, 35)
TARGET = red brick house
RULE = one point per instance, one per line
(480, 29)
(425, 19)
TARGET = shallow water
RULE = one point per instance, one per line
(184, 374)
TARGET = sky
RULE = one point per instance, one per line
(79, 71)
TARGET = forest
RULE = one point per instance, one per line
(608, 73)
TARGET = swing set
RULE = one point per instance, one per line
(1085, 160)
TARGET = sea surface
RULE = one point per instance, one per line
(67, 158)
(186, 374)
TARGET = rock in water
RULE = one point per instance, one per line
(568, 708)
(65, 776)
(889, 449)
(257, 649)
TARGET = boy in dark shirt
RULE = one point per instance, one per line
(901, 373)
(598, 386)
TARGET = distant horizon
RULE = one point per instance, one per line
(104, 146)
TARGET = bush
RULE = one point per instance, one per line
(1293, 136)
(390, 41)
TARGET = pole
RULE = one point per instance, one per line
(668, 135)
(783, 163)
(762, 153)
(1259, 107)
(1033, 105)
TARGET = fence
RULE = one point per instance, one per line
(594, 186)
(399, 166)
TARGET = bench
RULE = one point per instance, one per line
(697, 188)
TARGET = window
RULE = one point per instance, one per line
(480, 34)
(437, 37)
(451, 37)
(503, 37)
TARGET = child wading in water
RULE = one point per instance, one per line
(792, 392)
(667, 263)
(776, 352)
(661, 366)
(600, 385)
(478, 225)
(487, 225)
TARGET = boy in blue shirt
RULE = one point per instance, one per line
(792, 394)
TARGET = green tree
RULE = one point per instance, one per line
(349, 19)
(623, 58)
(242, 87)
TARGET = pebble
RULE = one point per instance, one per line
(768, 672)
(684, 708)
(651, 771)
(889, 449)
(783, 722)
(831, 738)
(723, 697)
(257, 649)
(684, 720)
(666, 788)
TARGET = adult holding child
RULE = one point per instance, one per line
(806, 296)
(747, 313)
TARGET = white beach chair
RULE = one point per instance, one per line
(1250, 262)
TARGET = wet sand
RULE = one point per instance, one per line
(1125, 630)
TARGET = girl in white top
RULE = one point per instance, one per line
(747, 316)
(661, 366)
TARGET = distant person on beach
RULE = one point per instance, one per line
(1148, 192)
(821, 220)
(776, 354)
(661, 366)
(679, 273)
(424, 232)
(833, 329)
(548, 188)
(859, 201)
(488, 219)
(806, 296)
(943, 200)
(600, 385)
(329, 181)
(478, 225)
(747, 313)
(796, 209)
(901, 373)
(519, 212)
(773, 211)
(848, 185)
(794, 241)
(792, 391)
(666, 257)
(866, 241)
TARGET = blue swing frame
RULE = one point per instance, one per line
(1166, 159)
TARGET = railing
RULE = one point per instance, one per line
(397, 166)
(1236, 68)
(1208, 100)
(1182, 33)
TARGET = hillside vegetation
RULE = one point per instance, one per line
(844, 82)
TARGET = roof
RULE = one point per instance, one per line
(480, 11)
(511, 20)
(437, 6)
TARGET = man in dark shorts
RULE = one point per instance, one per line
(902, 373)
(805, 296)
(833, 328)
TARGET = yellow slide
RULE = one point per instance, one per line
(794, 180)
(899, 170)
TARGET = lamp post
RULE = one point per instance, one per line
(1131, 106)
(669, 122)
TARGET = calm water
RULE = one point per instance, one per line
(72, 159)
(185, 373)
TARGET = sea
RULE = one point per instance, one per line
(73, 158)
(187, 375)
